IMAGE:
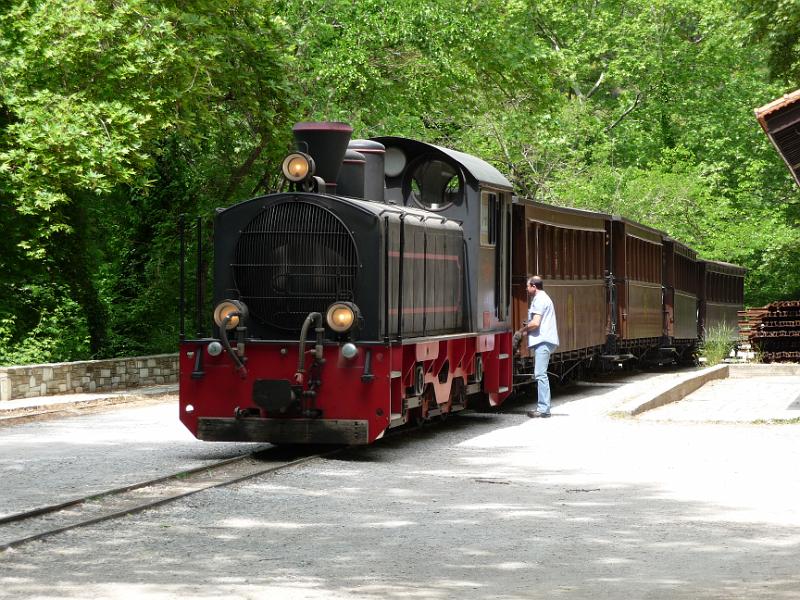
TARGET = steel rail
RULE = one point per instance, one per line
(183, 477)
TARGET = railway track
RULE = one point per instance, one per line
(47, 521)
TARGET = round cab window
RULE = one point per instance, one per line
(394, 161)
(435, 185)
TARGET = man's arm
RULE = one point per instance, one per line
(532, 324)
(535, 322)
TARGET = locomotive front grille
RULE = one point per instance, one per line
(294, 258)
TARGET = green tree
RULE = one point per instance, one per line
(93, 91)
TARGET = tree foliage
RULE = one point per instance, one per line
(100, 99)
(117, 117)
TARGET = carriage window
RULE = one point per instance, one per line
(435, 185)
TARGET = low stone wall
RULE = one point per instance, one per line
(87, 376)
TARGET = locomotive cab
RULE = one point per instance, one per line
(459, 186)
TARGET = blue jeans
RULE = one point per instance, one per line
(541, 354)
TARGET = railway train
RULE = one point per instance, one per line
(384, 285)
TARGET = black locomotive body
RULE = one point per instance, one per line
(377, 289)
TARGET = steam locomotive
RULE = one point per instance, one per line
(384, 285)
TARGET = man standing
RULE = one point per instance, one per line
(542, 340)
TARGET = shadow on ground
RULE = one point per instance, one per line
(464, 509)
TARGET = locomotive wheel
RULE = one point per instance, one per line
(477, 375)
(419, 379)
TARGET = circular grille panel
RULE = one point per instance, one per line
(292, 259)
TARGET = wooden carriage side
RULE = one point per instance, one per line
(567, 247)
(721, 296)
(680, 292)
(636, 258)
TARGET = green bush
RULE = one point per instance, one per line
(45, 326)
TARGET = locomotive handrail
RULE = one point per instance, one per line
(199, 285)
(424, 218)
(401, 252)
(386, 278)
(182, 276)
(390, 209)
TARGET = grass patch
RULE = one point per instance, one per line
(719, 341)
(619, 414)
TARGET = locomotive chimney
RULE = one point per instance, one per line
(326, 142)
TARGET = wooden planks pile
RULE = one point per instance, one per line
(773, 331)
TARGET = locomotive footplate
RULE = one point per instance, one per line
(283, 431)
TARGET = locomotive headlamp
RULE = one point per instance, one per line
(342, 316)
(237, 311)
(298, 166)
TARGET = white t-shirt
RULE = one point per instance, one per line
(548, 329)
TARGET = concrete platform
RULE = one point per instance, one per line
(742, 393)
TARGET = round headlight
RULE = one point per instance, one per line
(227, 308)
(297, 167)
(341, 316)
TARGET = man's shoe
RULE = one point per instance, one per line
(535, 414)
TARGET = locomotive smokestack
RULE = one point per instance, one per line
(326, 142)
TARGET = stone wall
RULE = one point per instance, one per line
(87, 376)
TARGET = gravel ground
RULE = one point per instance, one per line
(481, 506)
(54, 460)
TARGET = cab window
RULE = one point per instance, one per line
(435, 184)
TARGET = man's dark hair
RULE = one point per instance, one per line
(536, 282)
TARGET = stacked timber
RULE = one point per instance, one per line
(773, 331)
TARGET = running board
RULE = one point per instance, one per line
(617, 357)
